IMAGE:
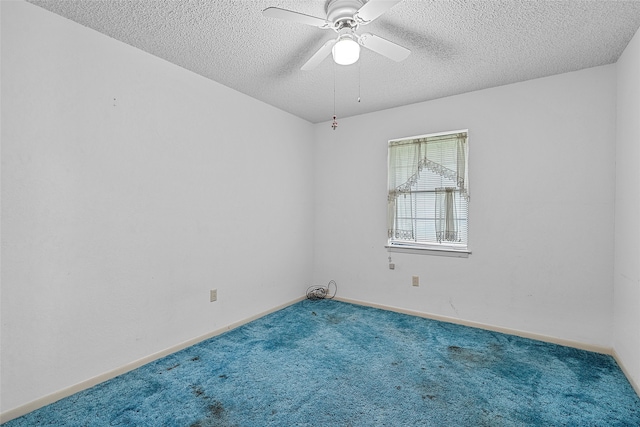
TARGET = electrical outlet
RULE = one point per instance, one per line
(392, 266)
(415, 280)
(213, 295)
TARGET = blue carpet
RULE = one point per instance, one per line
(328, 363)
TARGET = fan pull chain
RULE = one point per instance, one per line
(359, 74)
(334, 125)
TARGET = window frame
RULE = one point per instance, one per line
(441, 249)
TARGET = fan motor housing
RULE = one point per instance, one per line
(341, 12)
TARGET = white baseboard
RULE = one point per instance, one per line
(633, 382)
(66, 392)
(523, 334)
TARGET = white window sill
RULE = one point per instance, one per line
(450, 252)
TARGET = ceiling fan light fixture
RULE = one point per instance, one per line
(346, 51)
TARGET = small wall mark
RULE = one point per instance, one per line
(453, 307)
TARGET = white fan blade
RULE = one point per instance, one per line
(384, 47)
(374, 8)
(319, 56)
(289, 15)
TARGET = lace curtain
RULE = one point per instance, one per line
(407, 159)
(446, 215)
(403, 169)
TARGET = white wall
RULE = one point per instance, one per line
(627, 229)
(541, 211)
(130, 187)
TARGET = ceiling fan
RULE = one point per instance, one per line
(344, 17)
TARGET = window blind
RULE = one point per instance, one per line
(428, 199)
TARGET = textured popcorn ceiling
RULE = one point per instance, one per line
(457, 46)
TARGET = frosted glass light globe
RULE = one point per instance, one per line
(346, 51)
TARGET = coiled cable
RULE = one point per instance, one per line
(322, 292)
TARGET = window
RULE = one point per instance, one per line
(428, 200)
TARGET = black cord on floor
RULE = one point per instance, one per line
(321, 292)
